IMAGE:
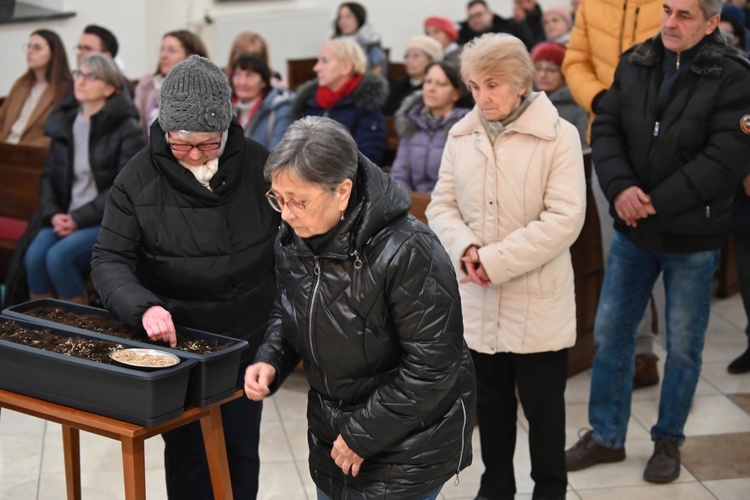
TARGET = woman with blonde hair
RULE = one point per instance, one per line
(346, 91)
(508, 204)
(33, 96)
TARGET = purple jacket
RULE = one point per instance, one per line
(420, 146)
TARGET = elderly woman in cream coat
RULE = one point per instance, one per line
(508, 204)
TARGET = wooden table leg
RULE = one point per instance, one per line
(216, 453)
(134, 468)
(72, 453)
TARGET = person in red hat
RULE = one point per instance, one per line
(548, 77)
(444, 31)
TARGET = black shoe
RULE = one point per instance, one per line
(664, 464)
(741, 364)
(587, 452)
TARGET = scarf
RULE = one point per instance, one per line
(326, 97)
(204, 173)
(246, 110)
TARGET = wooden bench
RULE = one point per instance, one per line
(298, 71)
(20, 171)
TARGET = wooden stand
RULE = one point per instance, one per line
(132, 437)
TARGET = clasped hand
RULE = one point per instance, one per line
(474, 268)
(63, 225)
(345, 458)
(633, 204)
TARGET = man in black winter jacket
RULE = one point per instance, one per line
(669, 145)
(481, 20)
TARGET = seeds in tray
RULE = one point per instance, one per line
(143, 358)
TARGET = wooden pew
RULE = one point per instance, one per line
(20, 171)
(298, 71)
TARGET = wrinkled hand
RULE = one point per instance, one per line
(474, 268)
(63, 225)
(159, 326)
(746, 184)
(633, 204)
(345, 458)
(258, 379)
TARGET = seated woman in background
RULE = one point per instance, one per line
(420, 51)
(557, 23)
(93, 138)
(176, 46)
(346, 92)
(263, 111)
(249, 41)
(548, 77)
(444, 31)
(422, 124)
(352, 22)
(33, 96)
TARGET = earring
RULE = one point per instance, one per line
(342, 215)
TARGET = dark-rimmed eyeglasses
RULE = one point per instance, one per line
(297, 208)
(89, 77)
(206, 146)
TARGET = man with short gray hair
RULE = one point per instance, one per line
(670, 143)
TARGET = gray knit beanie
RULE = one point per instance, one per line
(195, 97)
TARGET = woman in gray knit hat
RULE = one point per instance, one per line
(187, 239)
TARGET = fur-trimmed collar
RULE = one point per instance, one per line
(707, 61)
(369, 95)
(407, 120)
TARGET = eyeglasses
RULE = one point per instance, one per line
(89, 77)
(206, 146)
(84, 48)
(297, 208)
(542, 68)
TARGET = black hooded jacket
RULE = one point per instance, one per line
(686, 149)
(206, 257)
(376, 317)
(499, 25)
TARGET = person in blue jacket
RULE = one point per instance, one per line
(263, 110)
(347, 92)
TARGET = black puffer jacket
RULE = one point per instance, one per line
(689, 157)
(377, 319)
(112, 143)
(206, 257)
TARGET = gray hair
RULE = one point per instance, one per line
(316, 149)
(105, 68)
(710, 8)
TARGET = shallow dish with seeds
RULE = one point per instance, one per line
(150, 359)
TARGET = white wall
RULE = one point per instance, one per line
(293, 28)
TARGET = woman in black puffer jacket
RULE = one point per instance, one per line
(368, 298)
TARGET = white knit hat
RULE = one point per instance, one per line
(428, 45)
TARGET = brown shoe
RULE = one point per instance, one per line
(646, 371)
(664, 464)
(587, 452)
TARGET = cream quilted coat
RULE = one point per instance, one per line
(522, 202)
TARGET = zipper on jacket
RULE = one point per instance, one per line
(622, 25)
(677, 63)
(463, 433)
(657, 125)
(316, 288)
(635, 25)
(708, 212)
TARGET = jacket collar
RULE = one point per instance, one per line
(369, 94)
(539, 120)
(408, 119)
(708, 59)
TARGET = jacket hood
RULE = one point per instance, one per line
(366, 36)
(707, 61)
(539, 119)
(408, 119)
(377, 200)
(117, 109)
(561, 96)
(369, 95)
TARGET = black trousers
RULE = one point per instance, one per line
(540, 379)
(185, 461)
(742, 254)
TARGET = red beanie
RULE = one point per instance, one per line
(548, 51)
(443, 24)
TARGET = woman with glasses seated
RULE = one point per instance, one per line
(93, 137)
(176, 46)
(367, 297)
(187, 239)
(33, 96)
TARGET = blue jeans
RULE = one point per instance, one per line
(628, 281)
(57, 265)
(430, 496)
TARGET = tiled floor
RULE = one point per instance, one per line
(716, 456)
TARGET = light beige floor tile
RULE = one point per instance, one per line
(723, 345)
(296, 433)
(577, 388)
(12, 422)
(274, 446)
(716, 374)
(731, 310)
(304, 473)
(729, 489)
(101, 485)
(291, 399)
(20, 454)
(19, 487)
(621, 474)
(280, 481)
(673, 491)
